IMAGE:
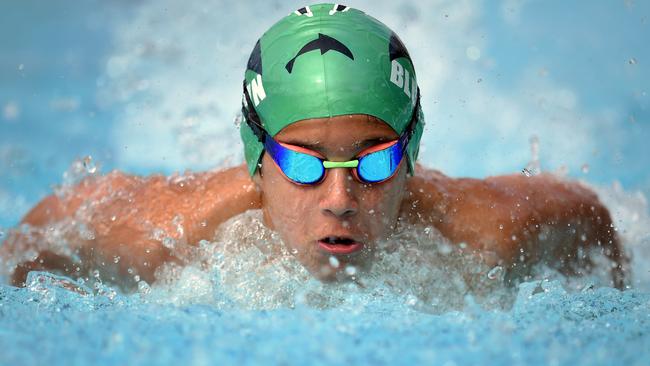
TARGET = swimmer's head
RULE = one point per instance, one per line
(330, 94)
(328, 60)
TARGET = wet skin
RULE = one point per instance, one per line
(510, 220)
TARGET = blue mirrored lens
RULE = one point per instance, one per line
(380, 165)
(299, 167)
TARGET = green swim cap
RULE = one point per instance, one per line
(328, 60)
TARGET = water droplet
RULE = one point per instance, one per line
(350, 270)
(89, 165)
(479, 80)
(587, 288)
(495, 273)
(514, 238)
(136, 278)
(411, 300)
(334, 262)
(130, 270)
(371, 212)
(462, 245)
(583, 237)
(346, 224)
(113, 218)
(473, 53)
(239, 118)
(143, 288)
(632, 61)
(2, 234)
(585, 168)
(500, 226)
(167, 242)
(21, 67)
(116, 259)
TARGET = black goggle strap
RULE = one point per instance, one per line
(251, 117)
(410, 128)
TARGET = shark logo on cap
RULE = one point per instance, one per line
(323, 43)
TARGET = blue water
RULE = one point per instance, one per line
(601, 327)
(153, 86)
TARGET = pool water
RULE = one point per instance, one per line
(154, 87)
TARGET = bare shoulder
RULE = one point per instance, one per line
(130, 217)
(506, 214)
(117, 197)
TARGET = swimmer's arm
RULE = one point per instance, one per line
(514, 215)
(123, 224)
(24, 248)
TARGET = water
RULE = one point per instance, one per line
(244, 299)
(151, 87)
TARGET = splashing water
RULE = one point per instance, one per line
(422, 294)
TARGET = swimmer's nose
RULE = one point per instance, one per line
(337, 195)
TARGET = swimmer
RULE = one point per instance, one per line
(331, 128)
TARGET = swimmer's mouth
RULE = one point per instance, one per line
(339, 245)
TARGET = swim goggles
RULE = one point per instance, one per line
(307, 167)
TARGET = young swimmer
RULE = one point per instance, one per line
(331, 131)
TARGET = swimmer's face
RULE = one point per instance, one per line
(357, 215)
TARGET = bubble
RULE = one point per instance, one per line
(334, 262)
(371, 212)
(500, 226)
(585, 168)
(116, 259)
(479, 80)
(632, 61)
(21, 67)
(113, 218)
(136, 278)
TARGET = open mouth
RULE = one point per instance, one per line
(339, 245)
